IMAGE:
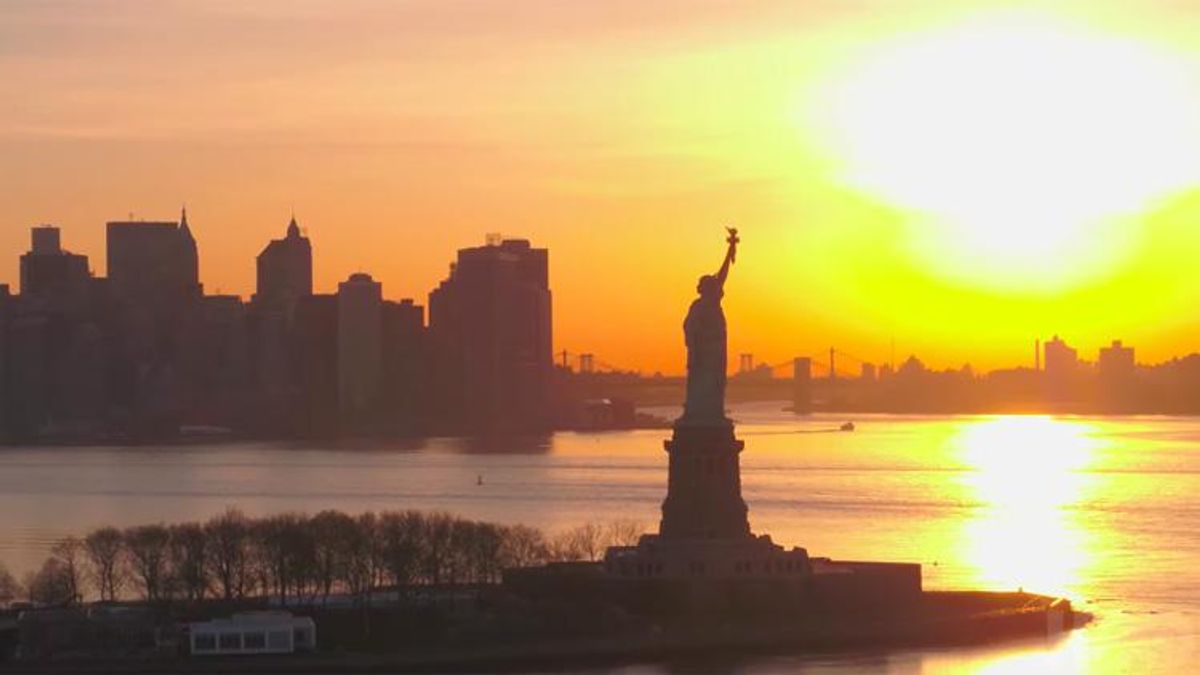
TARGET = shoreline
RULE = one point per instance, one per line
(945, 619)
(332, 443)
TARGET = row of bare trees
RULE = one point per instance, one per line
(299, 558)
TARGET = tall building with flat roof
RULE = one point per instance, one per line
(1116, 361)
(154, 262)
(404, 366)
(1061, 360)
(490, 329)
(49, 271)
(1060, 367)
(360, 348)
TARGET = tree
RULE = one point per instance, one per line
(331, 533)
(365, 559)
(522, 546)
(52, 584)
(483, 552)
(147, 549)
(103, 548)
(585, 542)
(228, 537)
(69, 554)
(10, 590)
(439, 539)
(283, 553)
(623, 532)
(402, 536)
(189, 559)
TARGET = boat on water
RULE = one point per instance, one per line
(848, 426)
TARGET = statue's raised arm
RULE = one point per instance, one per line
(730, 255)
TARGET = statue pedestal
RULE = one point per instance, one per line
(704, 488)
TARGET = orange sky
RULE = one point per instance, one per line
(957, 178)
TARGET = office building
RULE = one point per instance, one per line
(359, 348)
(49, 272)
(153, 262)
(285, 270)
(490, 329)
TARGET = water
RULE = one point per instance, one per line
(1103, 511)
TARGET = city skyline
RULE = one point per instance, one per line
(418, 128)
(51, 236)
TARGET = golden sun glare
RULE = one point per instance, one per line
(1022, 148)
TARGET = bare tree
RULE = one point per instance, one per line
(147, 548)
(439, 541)
(564, 547)
(366, 561)
(331, 534)
(189, 559)
(402, 535)
(103, 549)
(69, 553)
(228, 538)
(51, 584)
(522, 546)
(589, 539)
(623, 532)
(482, 552)
(585, 542)
(10, 590)
(283, 550)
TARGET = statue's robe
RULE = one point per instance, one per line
(704, 331)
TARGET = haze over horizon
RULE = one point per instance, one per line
(959, 179)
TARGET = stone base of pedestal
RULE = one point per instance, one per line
(704, 488)
(748, 557)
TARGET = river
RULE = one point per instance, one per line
(1101, 510)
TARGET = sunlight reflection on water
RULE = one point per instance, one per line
(1029, 473)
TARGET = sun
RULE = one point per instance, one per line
(1021, 148)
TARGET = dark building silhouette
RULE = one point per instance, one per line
(360, 348)
(1116, 362)
(284, 276)
(285, 270)
(153, 262)
(1061, 359)
(1061, 367)
(56, 344)
(404, 366)
(48, 271)
(802, 385)
(214, 359)
(490, 328)
(153, 274)
(316, 339)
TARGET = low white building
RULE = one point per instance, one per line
(253, 633)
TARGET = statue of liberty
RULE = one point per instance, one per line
(704, 332)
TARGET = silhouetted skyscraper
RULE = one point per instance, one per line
(1061, 364)
(153, 262)
(1061, 360)
(316, 345)
(285, 270)
(404, 365)
(490, 325)
(360, 348)
(1116, 362)
(802, 385)
(49, 271)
